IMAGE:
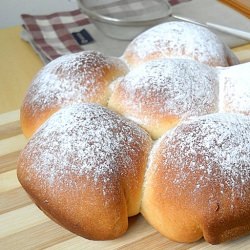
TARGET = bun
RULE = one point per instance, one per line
(235, 89)
(198, 180)
(73, 78)
(158, 94)
(89, 168)
(179, 40)
(85, 168)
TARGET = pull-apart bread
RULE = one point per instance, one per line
(162, 130)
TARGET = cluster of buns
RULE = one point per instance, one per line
(163, 131)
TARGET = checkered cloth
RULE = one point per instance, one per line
(51, 35)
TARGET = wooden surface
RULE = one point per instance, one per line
(22, 224)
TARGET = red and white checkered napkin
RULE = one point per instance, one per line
(51, 35)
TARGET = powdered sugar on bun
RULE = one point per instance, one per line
(201, 168)
(179, 39)
(159, 93)
(73, 78)
(235, 89)
(89, 161)
(218, 145)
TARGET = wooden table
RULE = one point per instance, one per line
(22, 224)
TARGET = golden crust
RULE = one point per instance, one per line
(83, 213)
(196, 184)
(30, 123)
(160, 93)
(79, 77)
(153, 122)
(91, 181)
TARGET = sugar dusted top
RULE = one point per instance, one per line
(79, 77)
(235, 89)
(178, 39)
(209, 153)
(84, 140)
(177, 87)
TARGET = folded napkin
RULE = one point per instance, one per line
(61, 33)
(50, 35)
(242, 6)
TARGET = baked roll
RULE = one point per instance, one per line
(179, 40)
(89, 168)
(235, 89)
(73, 78)
(160, 93)
(84, 168)
(198, 180)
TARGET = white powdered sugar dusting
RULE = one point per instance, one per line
(211, 151)
(70, 78)
(84, 140)
(179, 39)
(179, 87)
(235, 88)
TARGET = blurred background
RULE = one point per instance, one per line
(11, 10)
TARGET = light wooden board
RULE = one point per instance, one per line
(24, 226)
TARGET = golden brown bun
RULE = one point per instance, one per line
(74, 78)
(179, 40)
(235, 89)
(158, 94)
(85, 168)
(198, 180)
